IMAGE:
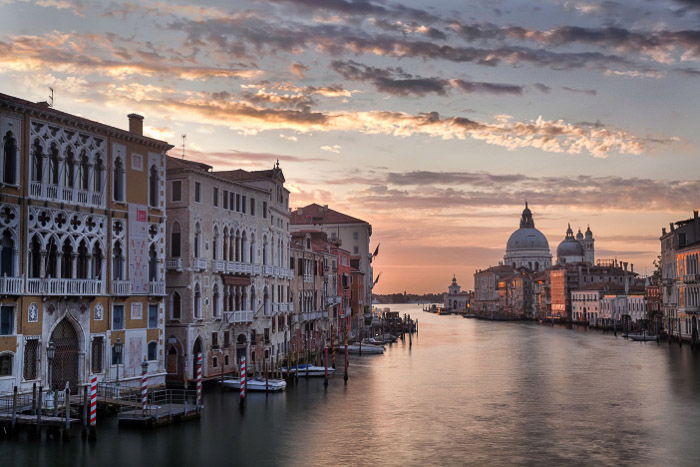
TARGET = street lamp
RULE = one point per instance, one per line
(118, 347)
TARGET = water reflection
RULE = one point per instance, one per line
(466, 393)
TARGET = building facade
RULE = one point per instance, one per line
(228, 275)
(82, 249)
(527, 247)
(455, 299)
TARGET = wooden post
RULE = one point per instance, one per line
(66, 426)
(14, 409)
(92, 435)
(85, 412)
(243, 382)
(199, 380)
(345, 375)
(325, 366)
(34, 398)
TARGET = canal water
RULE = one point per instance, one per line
(466, 392)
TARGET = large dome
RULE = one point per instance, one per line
(527, 238)
(569, 247)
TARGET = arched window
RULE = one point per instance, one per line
(99, 173)
(67, 260)
(266, 302)
(152, 351)
(252, 257)
(84, 173)
(153, 186)
(215, 242)
(175, 251)
(224, 255)
(197, 301)
(82, 270)
(52, 258)
(118, 262)
(54, 164)
(35, 257)
(176, 306)
(97, 257)
(9, 160)
(7, 254)
(252, 298)
(37, 161)
(152, 264)
(215, 304)
(69, 178)
(244, 247)
(197, 240)
(118, 180)
(265, 250)
(6, 364)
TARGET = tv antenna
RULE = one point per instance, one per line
(184, 137)
(51, 97)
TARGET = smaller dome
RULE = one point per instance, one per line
(579, 235)
(569, 247)
(589, 234)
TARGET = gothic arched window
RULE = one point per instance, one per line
(9, 159)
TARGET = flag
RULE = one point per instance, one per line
(377, 279)
(376, 251)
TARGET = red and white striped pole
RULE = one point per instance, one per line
(144, 386)
(243, 380)
(93, 401)
(199, 379)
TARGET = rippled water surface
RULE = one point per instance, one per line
(466, 392)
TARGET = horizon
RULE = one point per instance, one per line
(434, 124)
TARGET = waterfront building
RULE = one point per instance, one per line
(502, 292)
(314, 287)
(527, 247)
(82, 249)
(680, 250)
(455, 299)
(228, 269)
(354, 235)
(343, 274)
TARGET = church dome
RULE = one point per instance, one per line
(527, 239)
(569, 246)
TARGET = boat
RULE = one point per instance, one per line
(256, 384)
(373, 341)
(642, 337)
(364, 349)
(306, 369)
(390, 338)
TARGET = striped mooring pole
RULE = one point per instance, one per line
(243, 381)
(92, 434)
(199, 380)
(144, 386)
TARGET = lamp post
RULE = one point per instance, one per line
(50, 354)
(118, 347)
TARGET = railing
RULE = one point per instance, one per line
(312, 315)
(65, 286)
(199, 263)
(689, 278)
(218, 265)
(330, 301)
(268, 270)
(156, 288)
(65, 194)
(308, 278)
(11, 285)
(121, 287)
(236, 267)
(241, 316)
(174, 263)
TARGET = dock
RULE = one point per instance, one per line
(164, 407)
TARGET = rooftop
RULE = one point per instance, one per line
(317, 214)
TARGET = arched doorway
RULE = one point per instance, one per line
(196, 350)
(694, 331)
(172, 359)
(64, 366)
(241, 348)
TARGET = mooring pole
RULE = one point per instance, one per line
(14, 409)
(325, 366)
(66, 426)
(85, 412)
(199, 381)
(92, 435)
(242, 382)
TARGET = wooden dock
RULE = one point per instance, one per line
(164, 407)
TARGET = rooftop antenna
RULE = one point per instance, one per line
(51, 97)
(184, 137)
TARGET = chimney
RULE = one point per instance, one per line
(135, 124)
(632, 268)
(671, 225)
(695, 214)
(663, 230)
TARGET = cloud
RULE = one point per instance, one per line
(447, 190)
(589, 92)
(107, 54)
(232, 159)
(334, 148)
(397, 82)
(298, 69)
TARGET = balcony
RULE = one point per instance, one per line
(330, 301)
(66, 194)
(268, 270)
(11, 285)
(218, 265)
(174, 264)
(691, 278)
(156, 288)
(199, 264)
(65, 286)
(236, 267)
(308, 278)
(239, 317)
(312, 315)
(121, 288)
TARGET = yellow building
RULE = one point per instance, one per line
(82, 211)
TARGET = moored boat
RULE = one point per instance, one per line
(642, 337)
(364, 349)
(307, 370)
(256, 384)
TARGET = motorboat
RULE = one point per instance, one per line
(363, 349)
(642, 337)
(256, 384)
(374, 341)
(390, 338)
(306, 369)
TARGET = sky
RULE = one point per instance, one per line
(434, 121)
